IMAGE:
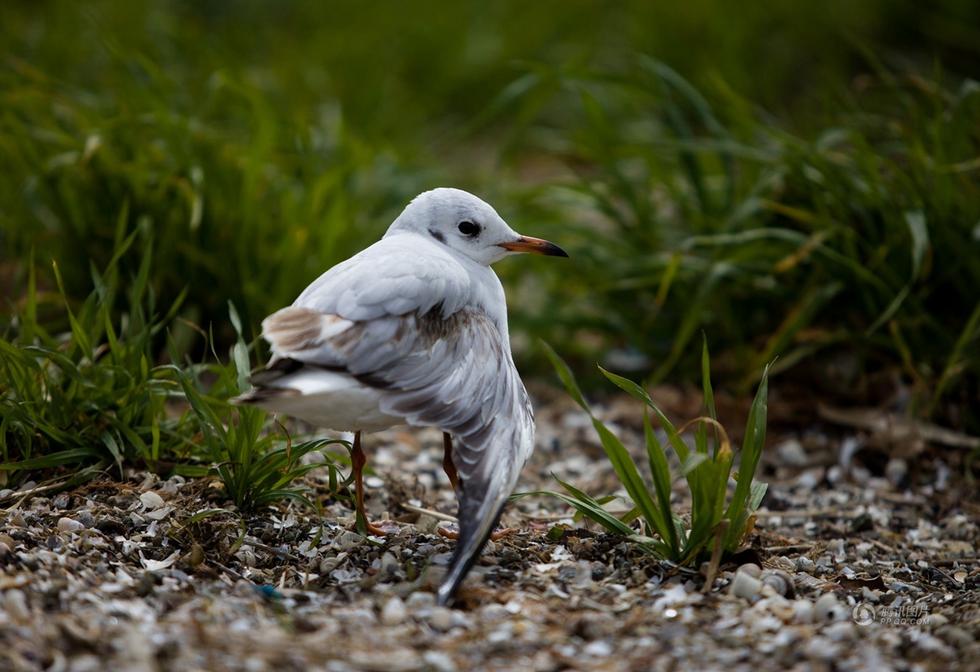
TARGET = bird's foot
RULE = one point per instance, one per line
(496, 535)
(364, 526)
(502, 532)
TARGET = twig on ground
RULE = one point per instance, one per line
(23, 495)
(438, 515)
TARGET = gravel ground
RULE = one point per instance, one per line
(859, 560)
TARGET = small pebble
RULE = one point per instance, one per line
(956, 636)
(868, 595)
(821, 648)
(895, 471)
(494, 612)
(803, 611)
(441, 618)
(348, 540)
(146, 584)
(805, 564)
(389, 563)
(792, 453)
(69, 525)
(842, 631)
(427, 524)
(598, 649)
(751, 569)
(440, 661)
(394, 612)
(420, 600)
(196, 555)
(15, 604)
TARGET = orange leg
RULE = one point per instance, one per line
(496, 535)
(447, 460)
(358, 460)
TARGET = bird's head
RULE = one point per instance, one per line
(467, 225)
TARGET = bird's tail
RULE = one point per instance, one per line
(270, 383)
(478, 516)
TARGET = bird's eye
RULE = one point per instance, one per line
(468, 228)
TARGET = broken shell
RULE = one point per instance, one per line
(805, 564)
(151, 500)
(783, 563)
(803, 611)
(69, 525)
(745, 585)
(779, 581)
(828, 608)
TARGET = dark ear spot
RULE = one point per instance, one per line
(437, 235)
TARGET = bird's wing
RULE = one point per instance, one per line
(451, 370)
(399, 274)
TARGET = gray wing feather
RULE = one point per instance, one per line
(397, 275)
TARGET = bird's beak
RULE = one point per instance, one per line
(534, 246)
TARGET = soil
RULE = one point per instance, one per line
(863, 556)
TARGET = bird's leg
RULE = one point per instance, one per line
(447, 460)
(358, 460)
(496, 535)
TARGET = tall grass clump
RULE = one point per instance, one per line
(723, 496)
(92, 394)
(849, 251)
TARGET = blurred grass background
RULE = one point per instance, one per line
(794, 180)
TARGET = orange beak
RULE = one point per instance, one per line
(534, 246)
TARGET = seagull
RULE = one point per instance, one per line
(413, 331)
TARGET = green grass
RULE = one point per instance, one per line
(719, 512)
(91, 395)
(850, 248)
(89, 400)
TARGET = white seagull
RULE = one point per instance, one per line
(413, 330)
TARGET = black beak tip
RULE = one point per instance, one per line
(553, 250)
